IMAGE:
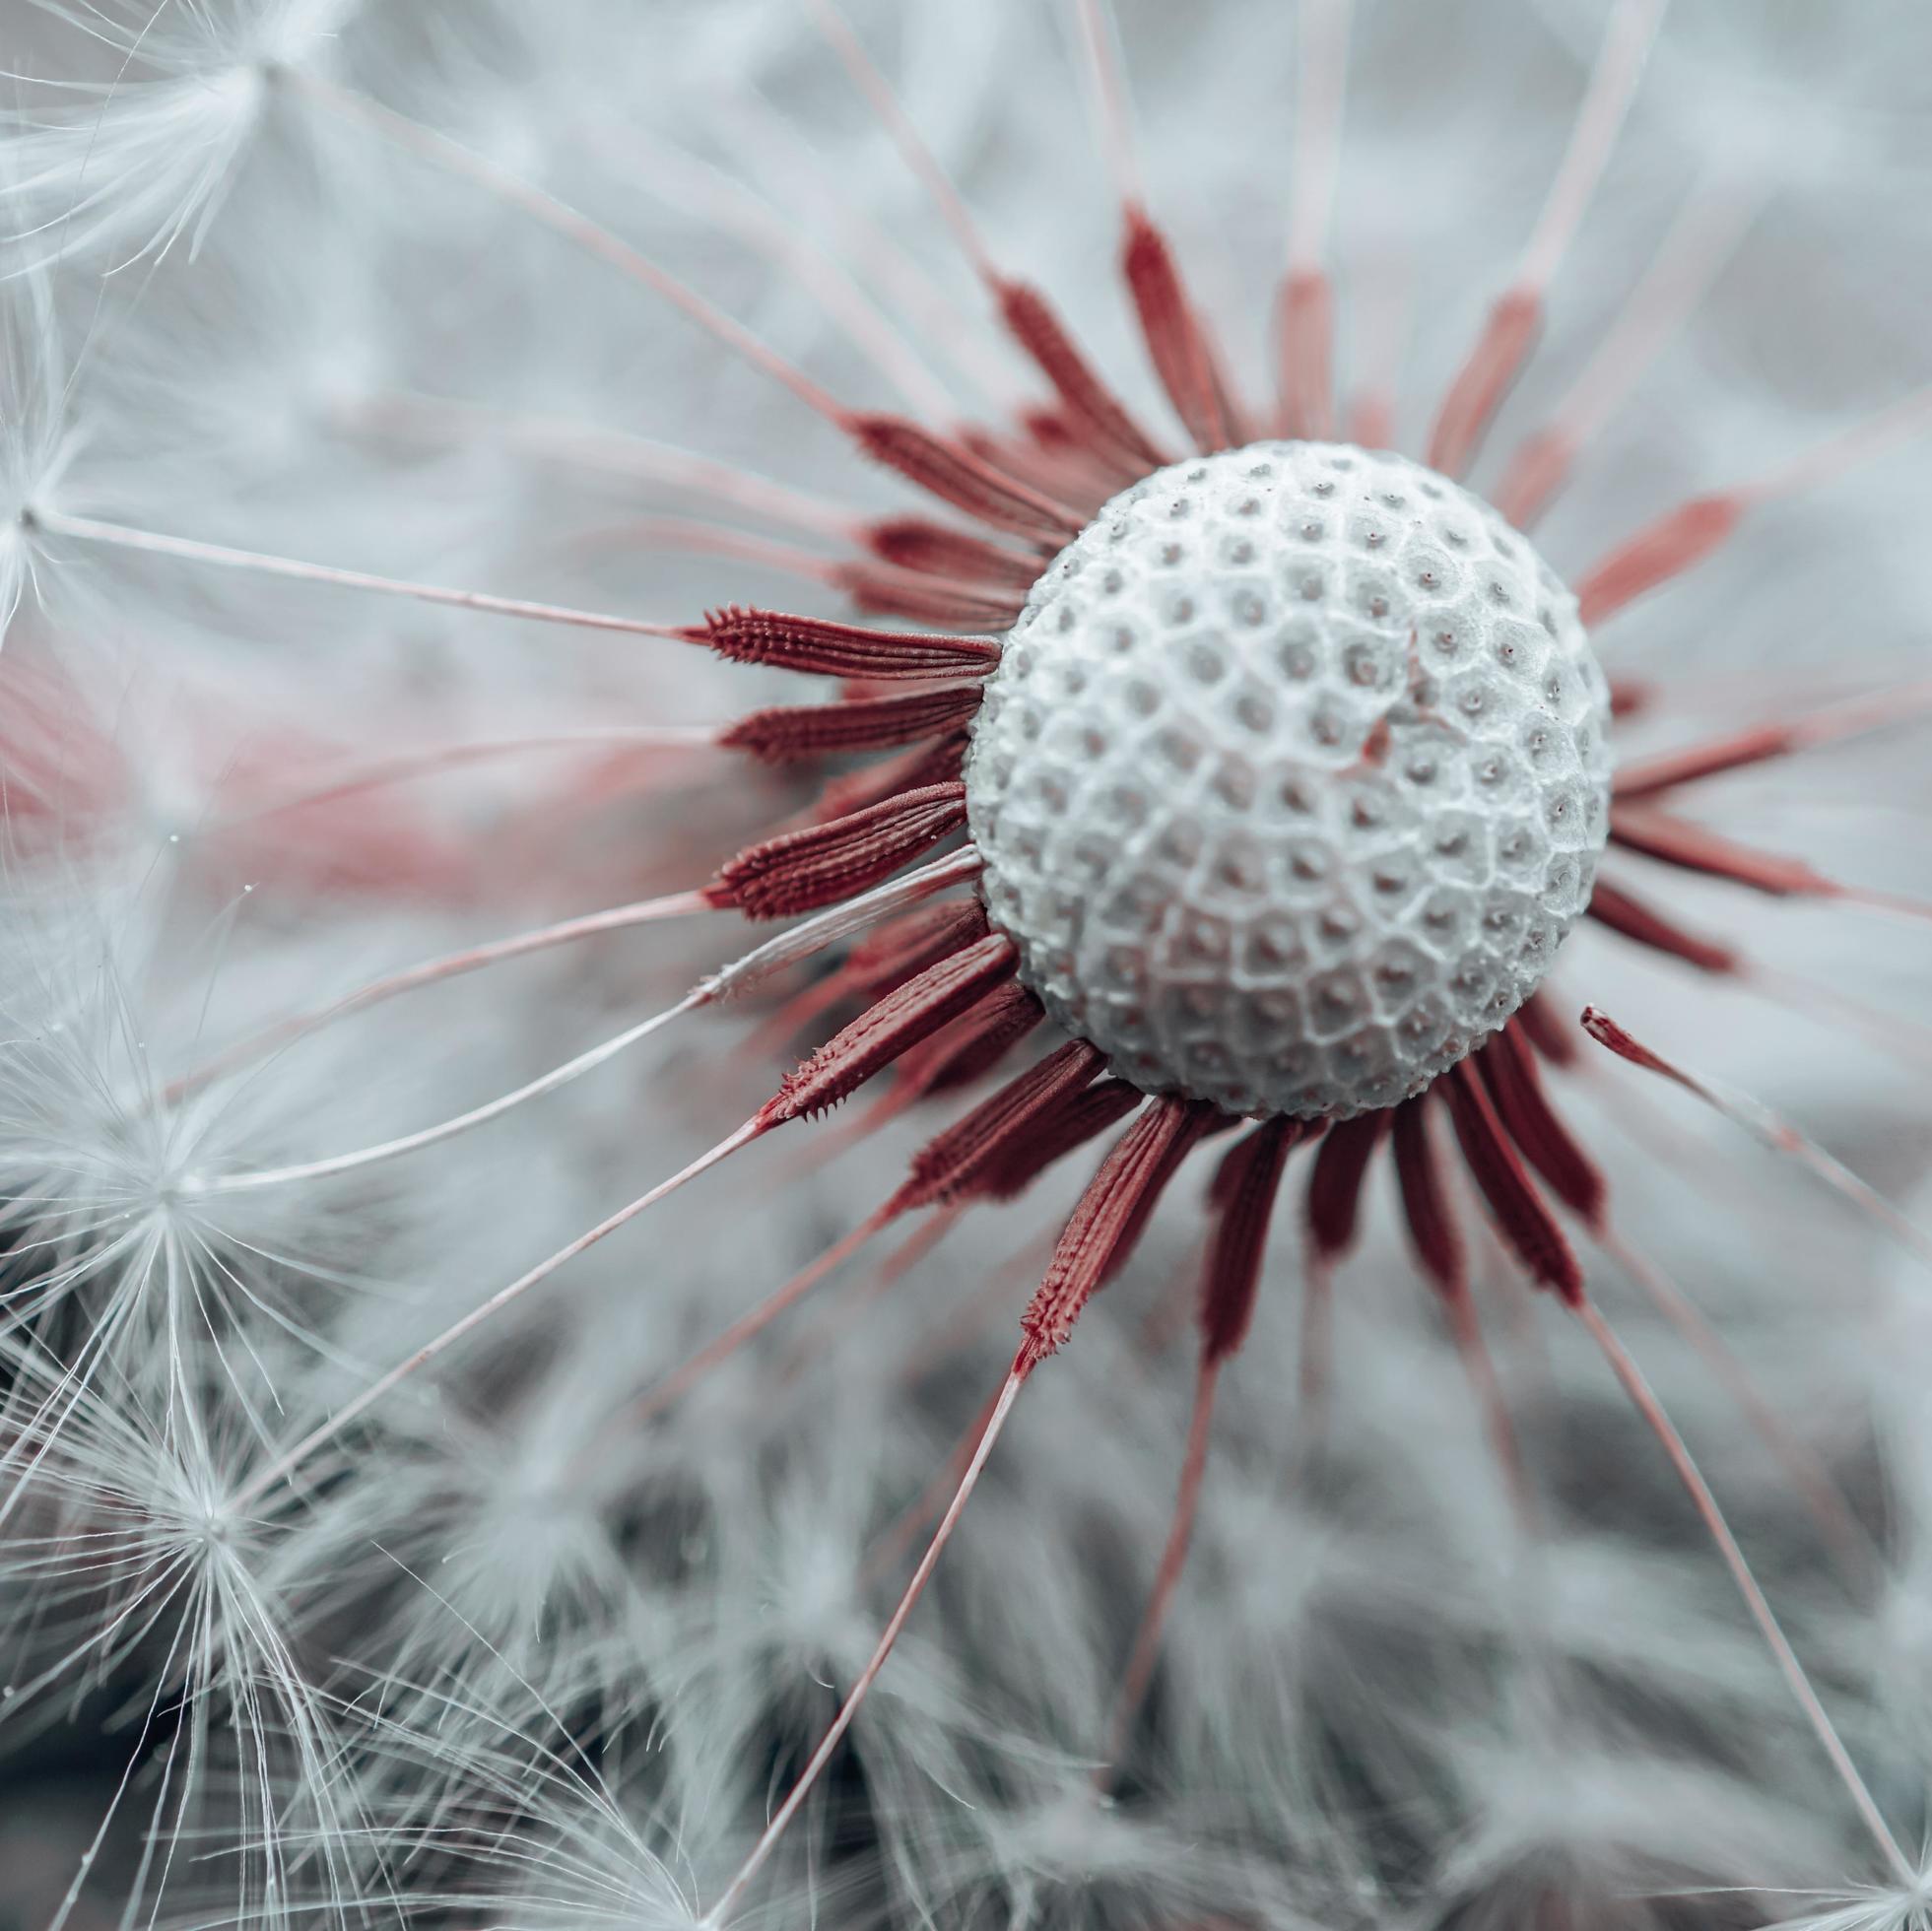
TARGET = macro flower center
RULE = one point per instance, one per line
(1292, 778)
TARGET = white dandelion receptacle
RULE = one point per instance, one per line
(1291, 779)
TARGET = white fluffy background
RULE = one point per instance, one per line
(507, 1660)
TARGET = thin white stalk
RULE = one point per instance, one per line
(1863, 441)
(1322, 52)
(431, 759)
(813, 935)
(578, 227)
(280, 1470)
(721, 1911)
(1651, 1412)
(1107, 72)
(696, 188)
(789, 948)
(567, 442)
(898, 123)
(1703, 238)
(430, 1136)
(1626, 41)
(1767, 1127)
(430, 971)
(88, 529)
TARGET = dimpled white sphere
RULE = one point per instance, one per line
(1292, 778)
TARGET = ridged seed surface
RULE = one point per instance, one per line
(1292, 778)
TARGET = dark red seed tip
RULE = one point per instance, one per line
(1508, 1071)
(1016, 1124)
(818, 647)
(821, 864)
(1520, 1214)
(1628, 915)
(893, 1026)
(1607, 1033)
(955, 474)
(1245, 1186)
(1432, 1229)
(1112, 1216)
(1657, 553)
(791, 733)
(1335, 1188)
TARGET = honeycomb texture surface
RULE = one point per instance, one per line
(1292, 778)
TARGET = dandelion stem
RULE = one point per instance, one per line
(1098, 419)
(1378, 346)
(694, 535)
(861, 1294)
(1479, 1369)
(318, 1437)
(1657, 833)
(1820, 1002)
(1877, 435)
(720, 1912)
(1315, 1364)
(918, 155)
(837, 922)
(874, 251)
(1651, 1411)
(88, 529)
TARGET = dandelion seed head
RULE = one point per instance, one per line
(97, 1178)
(145, 157)
(139, 1564)
(1864, 1909)
(35, 442)
(1291, 779)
